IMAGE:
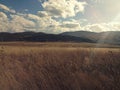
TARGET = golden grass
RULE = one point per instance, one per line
(58, 44)
(58, 68)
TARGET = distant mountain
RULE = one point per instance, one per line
(86, 34)
(40, 37)
(110, 37)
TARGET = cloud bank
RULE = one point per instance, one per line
(52, 19)
(43, 21)
(5, 8)
(63, 8)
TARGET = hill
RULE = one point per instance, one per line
(40, 37)
(110, 37)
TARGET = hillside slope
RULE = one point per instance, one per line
(40, 37)
(110, 37)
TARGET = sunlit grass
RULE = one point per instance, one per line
(59, 68)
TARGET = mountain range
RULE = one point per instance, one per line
(110, 37)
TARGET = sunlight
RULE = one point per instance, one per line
(117, 18)
(115, 21)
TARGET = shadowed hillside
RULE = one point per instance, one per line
(40, 37)
(110, 37)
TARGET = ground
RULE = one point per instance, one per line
(59, 66)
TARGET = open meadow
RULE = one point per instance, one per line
(59, 66)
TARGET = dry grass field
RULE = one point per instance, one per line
(59, 66)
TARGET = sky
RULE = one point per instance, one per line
(56, 16)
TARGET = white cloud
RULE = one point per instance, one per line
(15, 24)
(49, 25)
(100, 27)
(33, 17)
(116, 26)
(63, 8)
(46, 23)
(42, 22)
(3, 15)
(3, 22)
(19, 24)
(42, 14)
(5, 8)
(30, 22)
(68, 24)
(94, 27)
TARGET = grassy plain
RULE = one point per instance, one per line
(59, 66)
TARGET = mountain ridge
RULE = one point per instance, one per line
(40, 37)
(109, 37)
